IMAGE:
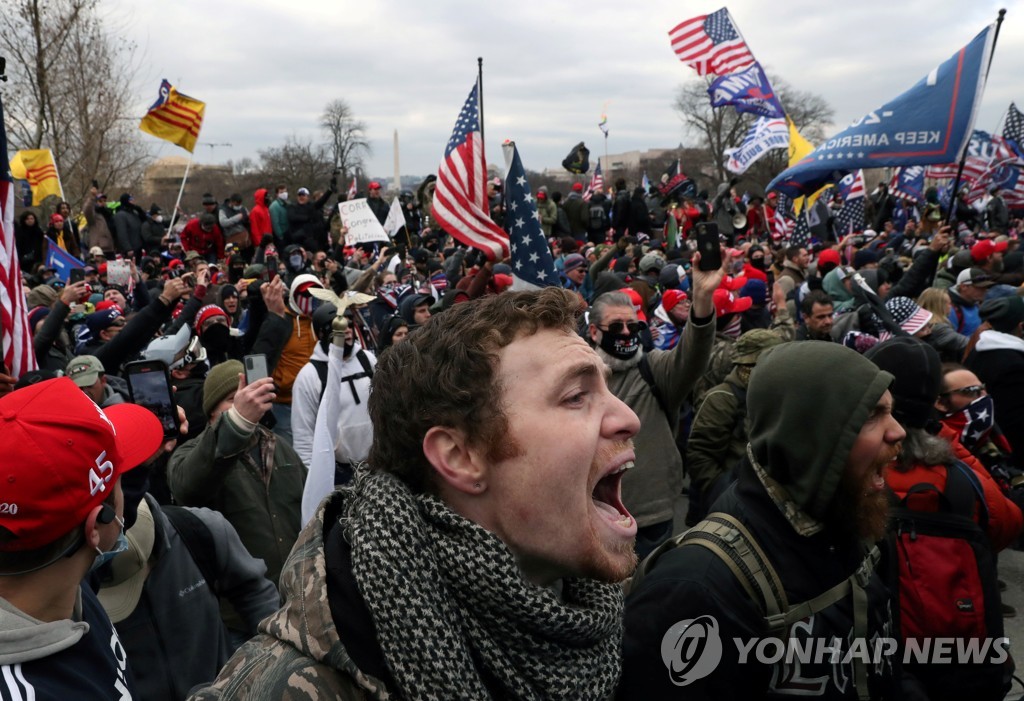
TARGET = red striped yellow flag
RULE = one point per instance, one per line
(174, 117)
(38, 168)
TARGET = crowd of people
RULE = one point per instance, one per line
(501, 461)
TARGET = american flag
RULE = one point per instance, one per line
(352, 191)
(460, 200)
(18, 354)
(782, 224)
(983, 152)
(1013, 128)
(851, 216)
(532, 264)
(801, 233)
(596, 183)
(711, 44)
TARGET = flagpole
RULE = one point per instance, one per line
(963, 156)
(480, 97)
(181, 190)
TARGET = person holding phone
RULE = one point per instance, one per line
(656, 394)
(239, 468)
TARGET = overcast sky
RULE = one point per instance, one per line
(267, 69)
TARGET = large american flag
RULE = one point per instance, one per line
(596, 183)
(851, 216)
(532, 264)
(711, 44)
(460, 200)
(18, 354)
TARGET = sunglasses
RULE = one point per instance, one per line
(972, 391)
(623, 327)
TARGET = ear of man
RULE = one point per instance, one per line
(456, 463)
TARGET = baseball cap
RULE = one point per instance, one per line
(374, 185)
(728, 303)
(577, 187)
(101, 320)
(209, 199)
(651, 261)
(829, 255)
(95, 251)
(84, 370)
(984, 249)
(120, 594)
(638, 303)
(976, 277)
(671, 298)
(58, 466)
(303, 191)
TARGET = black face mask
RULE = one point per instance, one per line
(216, 339)
(620, 346)
(235, 274)
(757, 263)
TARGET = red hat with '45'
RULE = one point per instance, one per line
(60, 457)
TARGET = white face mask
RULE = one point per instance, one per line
(158, 218)
(283, 196)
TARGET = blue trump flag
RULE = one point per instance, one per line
(60, 260)
(930, 123)
(748, 91)
(908, 182)
(532, 264)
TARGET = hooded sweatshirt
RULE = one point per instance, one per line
(76, 658)
(803, 443)
(299, 348)
(259, 218)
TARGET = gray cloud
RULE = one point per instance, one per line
(266, 69)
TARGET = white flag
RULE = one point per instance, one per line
(395, 220)
(765, 134)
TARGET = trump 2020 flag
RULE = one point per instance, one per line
(930, 123)
(765, 134)
(174, 117)
(908, 183)
(747, 91)
(38, 168)
(532, 264)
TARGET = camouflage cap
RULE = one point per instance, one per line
(751, 344)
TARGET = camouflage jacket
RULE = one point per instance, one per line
(298, 655)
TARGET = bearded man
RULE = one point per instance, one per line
(811, 492)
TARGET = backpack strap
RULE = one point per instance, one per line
(321, 371)
(198, 540)
(365, 362)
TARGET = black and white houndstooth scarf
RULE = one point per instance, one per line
(451, 607)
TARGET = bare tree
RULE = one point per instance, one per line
(72, 90)
(347, 137)
(297, 164)
(717, 129)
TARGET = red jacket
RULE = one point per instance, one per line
(1004, 518)
(193, 238)
(259, 218)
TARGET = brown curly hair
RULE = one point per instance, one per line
(445, 374)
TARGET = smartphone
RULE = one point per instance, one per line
(149, 385)
(76, 275)
(709, 245)
(255, 368)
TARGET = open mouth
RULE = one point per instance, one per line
(607, 497)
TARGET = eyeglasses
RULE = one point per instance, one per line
(972, 391)
(622, 327)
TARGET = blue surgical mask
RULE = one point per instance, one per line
(119, 546)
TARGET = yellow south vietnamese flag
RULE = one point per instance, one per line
(174, 117)
(37, 166)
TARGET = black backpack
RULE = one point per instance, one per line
(944, 571)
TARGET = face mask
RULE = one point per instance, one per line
(620, 346)
(235, 274)
(283, 196)
(757, 263)
(975, 421)
(216, 338)
(295, 262)
(158, 218)
(120, 545)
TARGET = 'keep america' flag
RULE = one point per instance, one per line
(460, 199)
(711, 44)
(532, 264)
